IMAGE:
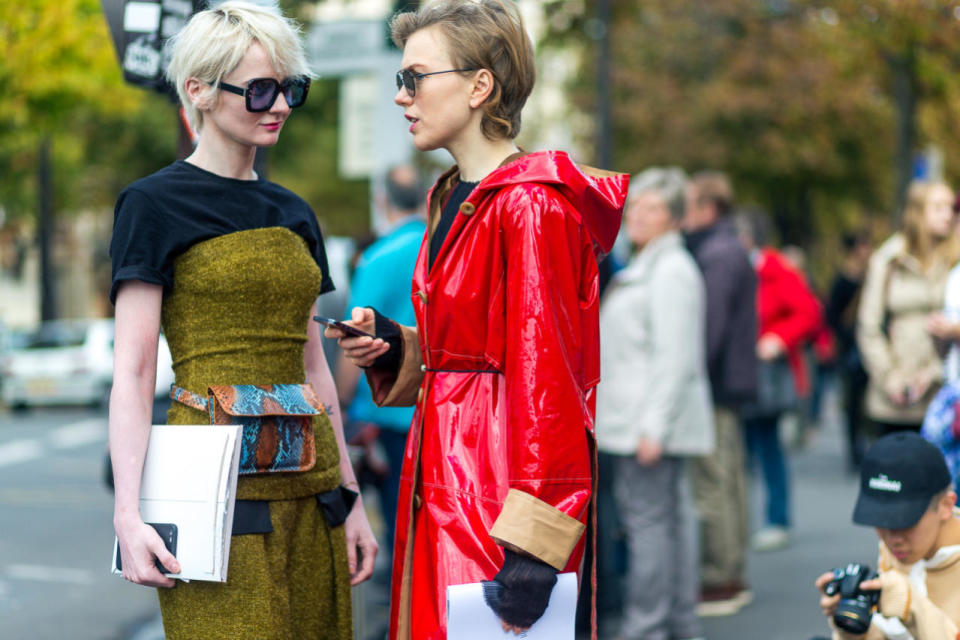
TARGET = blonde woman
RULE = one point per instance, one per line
(230, 266)
(905, 283)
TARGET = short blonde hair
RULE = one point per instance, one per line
(482, 34)
(214, 41)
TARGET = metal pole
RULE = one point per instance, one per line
(48, 297)
(604, 114)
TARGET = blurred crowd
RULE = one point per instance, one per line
(716, 352)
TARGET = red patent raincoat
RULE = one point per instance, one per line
(502, 367)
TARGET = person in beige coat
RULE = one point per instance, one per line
(905, 283)
(653, 405)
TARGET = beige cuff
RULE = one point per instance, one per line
(399, 389)
(895, 596)
(531, 525)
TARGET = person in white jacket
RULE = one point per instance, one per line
(653, 405)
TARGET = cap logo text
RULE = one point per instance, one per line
(883, 483)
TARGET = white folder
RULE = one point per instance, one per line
(190, 480)
(469, 617)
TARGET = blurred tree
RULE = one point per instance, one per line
(911, 50)
(58, 68)
(61, 75)
(790, 96)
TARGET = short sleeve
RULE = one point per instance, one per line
(140, 246)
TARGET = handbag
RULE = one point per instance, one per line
(776, 390)
(277, 421)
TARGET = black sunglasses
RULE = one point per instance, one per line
(408, 79)
(261, 93)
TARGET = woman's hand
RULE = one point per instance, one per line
(770, 347)
(139, 546)
(649, 452)
(361, 351)
(896, 391)
(918, 389)
(940, 327)
(360, 541)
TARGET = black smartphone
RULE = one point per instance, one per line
(168, 533)
(336, 324)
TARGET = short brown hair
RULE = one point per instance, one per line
(489, 34)
(714, 187)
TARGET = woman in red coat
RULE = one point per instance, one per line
(789, 316)
(503, 362)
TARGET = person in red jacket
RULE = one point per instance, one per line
(789, 315)
(497, 481)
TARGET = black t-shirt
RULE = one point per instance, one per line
(159, 217)
(457, 196)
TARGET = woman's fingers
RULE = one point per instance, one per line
(368, 555)
(509, 627)
(363, 351)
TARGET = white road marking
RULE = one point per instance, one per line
(40, 573)
(79, 434)
(20, 451)
(76, 434)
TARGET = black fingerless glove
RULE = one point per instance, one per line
(388, 331)
(519, 594)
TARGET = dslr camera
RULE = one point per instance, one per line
(856, 606)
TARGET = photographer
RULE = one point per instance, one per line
(907, 495)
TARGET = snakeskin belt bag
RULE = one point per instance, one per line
(277, 421)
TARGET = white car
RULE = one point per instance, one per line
(69, 362)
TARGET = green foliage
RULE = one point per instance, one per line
(791, 97)
(60, 74)
(64, 83)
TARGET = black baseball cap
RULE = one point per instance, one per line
(899, 475)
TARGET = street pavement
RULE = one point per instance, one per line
(56, 532)
(823, 536)
(56, 535)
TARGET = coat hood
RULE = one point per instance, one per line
(596, 195)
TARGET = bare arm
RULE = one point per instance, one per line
(131, 401)
(359, 535)
(347, 377)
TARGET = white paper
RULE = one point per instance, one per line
(190, 479)
(469, 617)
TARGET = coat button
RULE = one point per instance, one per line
(468, 208)
(423, 296)
(417, 501)
(423, 368)
(420, 395)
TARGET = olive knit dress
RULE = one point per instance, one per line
(242, 263)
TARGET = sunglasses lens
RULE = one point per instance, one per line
(295, 91)
(261, 93)
(407, 80)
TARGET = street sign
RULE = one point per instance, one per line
(359, 94)
(346, 46)
(140, 29)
